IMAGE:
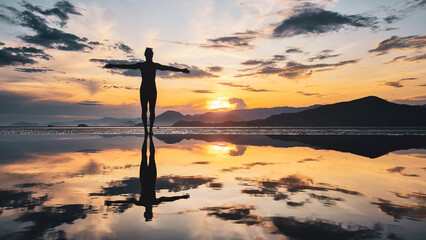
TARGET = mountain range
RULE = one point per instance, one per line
(168, 118)
(367, 111)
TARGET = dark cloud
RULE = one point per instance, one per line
(123, 47)
(240, 103)
(257, 62)
(400, 211)
(404, 58)
(245, 166)
(215, 185)
(309, 160)
(294, 70)
(419, 197)
(239, 40)
(398, 83)
(400, 43)
(172, 183)
(317, 21)
(326, 200)
(240, 214)
(241, 149)
(61, 10)
(310, 94)
(294, 50)
(46, 36)
(320, 229)
(293, 184)
(324, 54)
(90, 103)
(34, 70)
(245, 87)
(48, 218)
(202, 91)
(230, 42)
(1, 43)
(11, 56)
(119, 87)
(13, 199)
(215, 69)
(201, 162)
(94, 43)
(400, 170)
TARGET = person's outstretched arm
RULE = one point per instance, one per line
(170, 68)
(123, 66)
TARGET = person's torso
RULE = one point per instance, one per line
(148, 70)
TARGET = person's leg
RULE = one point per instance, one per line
(152, 102)
(144, 105)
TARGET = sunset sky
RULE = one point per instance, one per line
(242, 54)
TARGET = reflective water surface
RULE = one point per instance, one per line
(212, 187)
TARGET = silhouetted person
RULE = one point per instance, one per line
(148, 90)
(148, 178)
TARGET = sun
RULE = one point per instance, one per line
(220, 104)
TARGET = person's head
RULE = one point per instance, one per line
(149, 54)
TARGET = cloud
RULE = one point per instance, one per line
(90, 103)
(215, 69)
(305, 229)
(172, 183)
(294, 70)
(324, 54)
(294, 50)
(14, 199)
(240, 214)
(310, 94)
(202, 91)
(245, 87)
(34, 70)
(123, 47)
(400, 170)
(90, 85)
(11, 56)
(61, 10)
(240, 103)
(400, 211)
(399, 43)
(317, 21)
(120, 87)
(46, 36)
(398, 83)
(413, 100)
(239, 40)
(245, 166)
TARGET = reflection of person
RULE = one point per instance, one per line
(148, 90)
(148, 178)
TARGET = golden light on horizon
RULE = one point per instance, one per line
(220, 104)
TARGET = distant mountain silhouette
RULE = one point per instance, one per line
(368, 111)
(23, 123)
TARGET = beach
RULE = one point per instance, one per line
(265, 186)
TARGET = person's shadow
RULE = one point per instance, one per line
(148, 178)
